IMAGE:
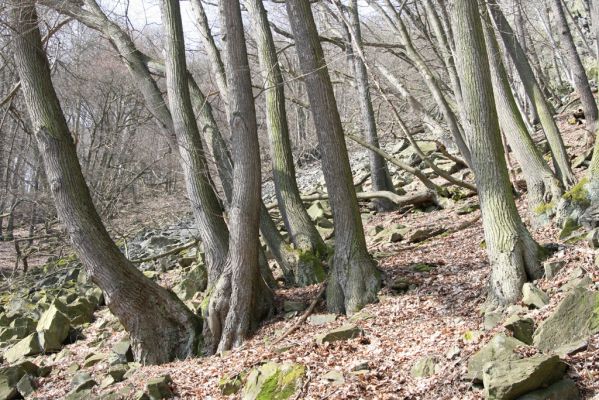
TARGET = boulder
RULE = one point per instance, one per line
(392, 234)
(425, 367)
(492, 319)
(522, 328)
(274, 381)
(195, 281)
(561, 390)
(79, 312)
(344, 332)
(11, 376)
(53, 329)
(507, 380)
(552, 268)
(574, 320)
(25, 386)
(159, 388)
(117, 372)
(121, 353)
(317, 210)
(21, 327)
(93, 359)
(423, 267)
(28, 346)
(229, 385)
(321, 319)
(422, 234)
(532, 296)
(291, 306)
(333, 377)
(499, 348)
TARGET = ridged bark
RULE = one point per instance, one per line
(514, 50)
(354, 279)
(161, 327)
(512, 251)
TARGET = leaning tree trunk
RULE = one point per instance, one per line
(240, 299)
(161, 327)
(513, 253)
(354, 279)
(544, 189)
(581, 82)
(301, 229)
(533, 90)
(379, 173)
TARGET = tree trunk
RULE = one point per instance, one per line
(512, 251)
(579, 75)
(544, 189)
(302, 232)
(516, 54)
(354, 280)
(379, 173)
(240, 299)
(161, 327)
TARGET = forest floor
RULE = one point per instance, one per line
(431, 318)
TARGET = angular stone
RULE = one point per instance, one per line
(21, 327)
(159, 388)
(344, 332)
(552, 268)
(321, 319)
(507, 380)
(229, 385)
(424, 367)
(420, 235)
(80, 311)
(274, 381)
(574, 320)
(521, 328)
(118, 372)
(53, 329)
(11, 376)
(423, 267)
(28, 346)
(121, 353)
(333, 377)
(532, 296)
(499, 348)
(26, 386)
(93, 359)
(561, 390)
(290, 306)
(195, 281)
(79, 378)
(492, 319)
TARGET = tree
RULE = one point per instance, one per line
(240, 299)
(302, 232)
(581, 82)
(161, 327)
(354, 279)
(513, 253)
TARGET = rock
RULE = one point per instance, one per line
(392, 234)
(569, 227)
(420, 235)
(80, 311)
(467, 209)
(92, 359)
(507, 380)
(28, 346)
(274, 381)
(561, 390)
(53, 329)
(316, 210)
(21, 327)
(321, 319)
(363, 315)
(117, 372)
(593, 238)
(400, 285)
(333, 377)
(159, 388)
(11, 376)
(521, 328)
(499, 348)
(360, 365)
(229, 385)
(574, 320)
(577, 278)
(25, 386)
(121, 353)
(492, 319)
(532, 296)
(290, 306)
(424, 367)
(79, 378)
(453, 352)
(552, 268)
(423, 267)
(81, 382)
(344, 332)
(195, 281)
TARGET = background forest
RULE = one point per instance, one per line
(284, 199)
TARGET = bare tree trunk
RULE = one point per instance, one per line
(544, 189)
(379, 173)
(354, 280)
(512, 251)
(558, 149)
(302, 232)
(161, 327)
(579, 75)
(240, 299)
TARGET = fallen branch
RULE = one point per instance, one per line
(168, 253)
(304, 316)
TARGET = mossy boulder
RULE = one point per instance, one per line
(159, 388)
(273, 381)
(532, 296)
(499, 348)
(424, 367)
(195, 281)
(229, 385)
(53, 329)
(80, 311)
(561, 390)
(344, 332)
(28, 346)
(121, 353)
(575, 319)
(11, 376)
(522, 328)
(508, 380)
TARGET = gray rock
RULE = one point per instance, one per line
(344, 332)
(492, 319)
(552, 268)
(522, 328)
(532, 296)
(333, 377)
(26, 386)
(571, 324)
(159, 388)
(11, 376)
(321, 319)
(28, 346)
(424, 367)
(290, 306)
(195, 281)
(561, 390)
(53, 329)
(499, 348)
(507, 380)
(121, 353)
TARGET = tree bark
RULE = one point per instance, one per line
(161, 327)
(516, 54)
(512, 251)
(354, 280)
(240, 299)
(302, 232)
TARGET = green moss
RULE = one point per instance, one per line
(282, 384)
(230, 385)
(578, 193)
(544, 208)
(206, 301)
